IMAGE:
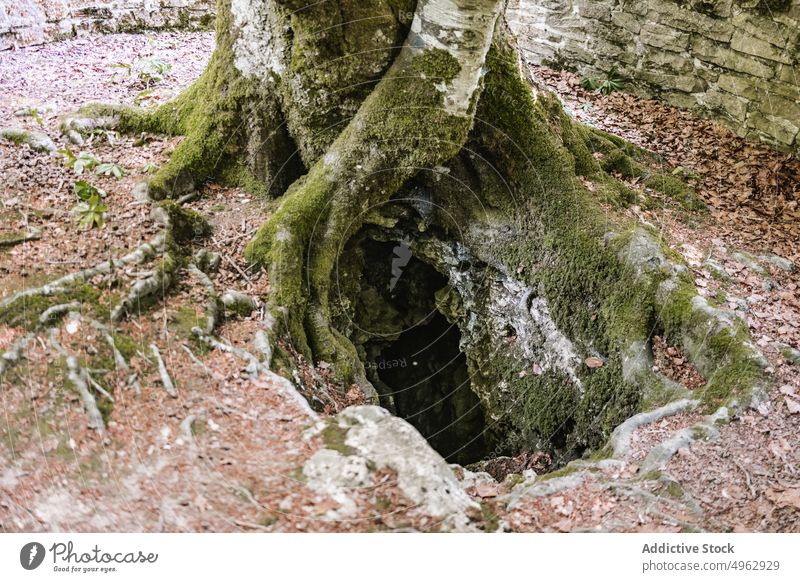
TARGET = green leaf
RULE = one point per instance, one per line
(69, 154)
(590, 83)
(127, 66)
(142, 95)
(37, 117)
(86, 191)
(110, 169)
(84, 161)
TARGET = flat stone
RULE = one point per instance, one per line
(748, 261)
(778, 261)
(752, 45)
(36, 140)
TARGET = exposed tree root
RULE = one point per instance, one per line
(450, 147)
(212, 301)
(14, 353)
(144, 290)
(217, 376)
(79, 377)
(620, 440)
(15, 239)
(166, 381)
(132, 380)
(56, 311)
(141, 254)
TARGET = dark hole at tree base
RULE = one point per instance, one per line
(420, 374)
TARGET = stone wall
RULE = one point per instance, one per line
(30, 22)
(735, 61)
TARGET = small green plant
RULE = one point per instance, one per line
(81, 162)
(128, 67)
(149, 168)
(90, 209)
(613, 82)
(151, 70)
(110, 169)
(37, 116)
(141, 96)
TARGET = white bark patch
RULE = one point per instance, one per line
(257, 50)
(463, 28)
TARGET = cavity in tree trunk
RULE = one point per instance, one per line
(386, 123)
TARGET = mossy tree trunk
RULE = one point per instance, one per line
(380, 114)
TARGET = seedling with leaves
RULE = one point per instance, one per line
(37, 116)
(613, 82)
(128, 67)
(151, 70)
(91, 209)
(110, 169)
(79, 163)
(149, 168)
(142, 95)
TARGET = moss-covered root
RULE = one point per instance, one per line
(233, 127)
(715, 340)
(180, 226)
(717, 343)
(37, 307)
(420, 113)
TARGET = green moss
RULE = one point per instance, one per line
(677, 190)
(562, 472)
(268, 520)
(437, 64)
(654, 475)
(186, 224)
(721, 353)
(335, 438)
(126, 345)
(512, 480)
(491, 521)
(621, 163)
(25, 311)
(184, 319)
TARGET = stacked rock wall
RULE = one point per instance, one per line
(31, 22)
(736, 61)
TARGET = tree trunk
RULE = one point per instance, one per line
(411, 123)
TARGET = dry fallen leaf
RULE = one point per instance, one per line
(593, 362)
(787, 498)
(792, 405)
(486, 490)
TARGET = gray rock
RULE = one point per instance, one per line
(778, 261)
(717, 269)
(789, 353)
(35, 140)
(74, 137)
(748, 261)
(363, 439)
(141, 192)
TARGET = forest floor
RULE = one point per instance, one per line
(227, 453)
